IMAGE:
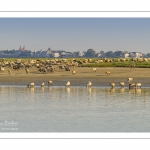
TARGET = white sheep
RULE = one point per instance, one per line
(89, 84)
(42, 84)
(68, 84)
(107, 72)
(2, 69)
(138, 85)
(122, 84)
(73, 72)
(31, 85)
(112, 84)
(93, 69)
(132, 85)
(50, 82)
(130, 80)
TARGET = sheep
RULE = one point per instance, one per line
(27, 71)
(138, 85)
(93, 69)
(9, 71)
(31, 85)
(50, 82)
(131, 85)
(107, 72)
(68, 84)
(122, 84)
(52, 69)
(2, 69)
(73, 72)
(42, 84)
(132, 66)
(89, 84)
(130, 80)
(112, 84)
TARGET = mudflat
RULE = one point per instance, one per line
(81, 78)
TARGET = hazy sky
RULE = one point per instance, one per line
(76, 34)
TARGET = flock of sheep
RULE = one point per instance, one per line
(47, 66)
(89, 84)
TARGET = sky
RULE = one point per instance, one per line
(76, 34)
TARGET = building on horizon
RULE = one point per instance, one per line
(22, 48)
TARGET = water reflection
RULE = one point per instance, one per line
(50, 88)
(32, 89)
(76, 108)
(122, 90)
(68, 89)
(89, 89)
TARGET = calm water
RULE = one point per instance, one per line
(74, 109)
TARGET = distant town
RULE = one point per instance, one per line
(90, 53)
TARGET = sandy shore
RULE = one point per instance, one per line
(83, 76)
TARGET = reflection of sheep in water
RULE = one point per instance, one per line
(50, 82)
(138, 85)
(27, 71)
(68, 84)
(112, 84)
(107, 72)
(130, 80)
(122, 84)
(31, 85)
(42, 84)
(73, 72)
(89, 84)
(9, 71)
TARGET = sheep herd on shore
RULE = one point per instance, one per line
(89, 84)
(50, 65)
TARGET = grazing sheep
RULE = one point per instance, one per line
(50, 82)
(130, 80)
(89, 84)
(2, 69)
(112, 84)
(132, 85)
(68, 84)
(138, 85)
(42, 84)
(73, 72)
(44, 70)
(93, 69)
(107, 72)
(132, 66)
(31, 85)
(122, 84)
(27, 71)
(67, 68)
(52, 69)
(9, 71)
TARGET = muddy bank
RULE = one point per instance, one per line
(82, 77)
